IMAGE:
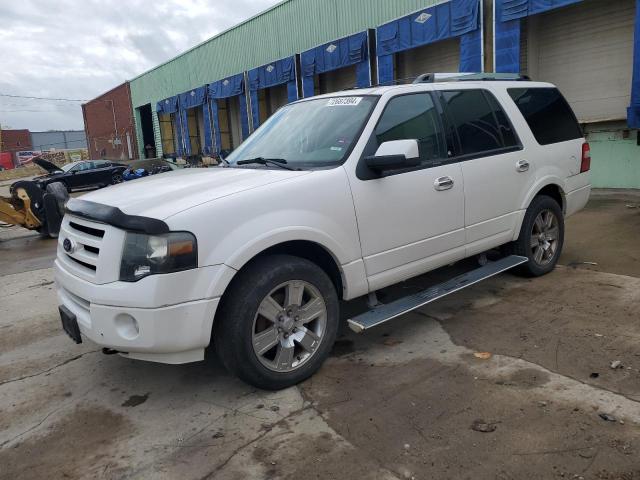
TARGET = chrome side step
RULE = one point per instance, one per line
(389, 311)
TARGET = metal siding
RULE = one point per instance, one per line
(290, 27)
(59, 140)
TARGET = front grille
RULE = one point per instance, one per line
(84, 264)
(94, 232)
(96, 249)
(87, 239)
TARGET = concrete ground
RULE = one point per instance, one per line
(407, 400)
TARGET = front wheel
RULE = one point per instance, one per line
(541, 237)
(278, 323)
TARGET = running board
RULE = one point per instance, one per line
(389, 311)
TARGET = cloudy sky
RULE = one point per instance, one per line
(78, 49)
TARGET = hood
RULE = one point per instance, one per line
(163, 195)
(46, 165)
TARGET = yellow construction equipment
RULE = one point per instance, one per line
(31, 207)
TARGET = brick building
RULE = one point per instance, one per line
(109, 125)
(15, 141)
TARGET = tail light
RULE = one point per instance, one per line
(585, 165)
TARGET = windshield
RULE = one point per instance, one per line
(313, 133)
(69, 166)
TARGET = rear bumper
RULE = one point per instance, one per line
(177, 333)
(577, 200)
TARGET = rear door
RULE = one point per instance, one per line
(497, 175)
(101, 172)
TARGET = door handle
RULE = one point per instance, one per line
(522, 166)
(443, 183)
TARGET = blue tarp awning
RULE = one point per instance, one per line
(351, 50)
(168, 105)
(515, 9)
(275, 73)
(271, 74)
(456, 18)
(227, 88)
(193, 98)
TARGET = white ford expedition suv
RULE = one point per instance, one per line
(333, 198)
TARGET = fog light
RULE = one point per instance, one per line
(127, 326)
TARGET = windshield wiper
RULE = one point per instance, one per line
(278, 162)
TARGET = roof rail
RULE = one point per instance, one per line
(467, 77)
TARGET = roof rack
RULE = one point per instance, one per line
(468, 77)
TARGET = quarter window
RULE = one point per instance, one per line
(413, 117)
(548, 114)
(474, 119)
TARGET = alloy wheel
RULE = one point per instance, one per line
(545, 237)
(289, 326)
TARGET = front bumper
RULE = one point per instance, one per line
(167, 333)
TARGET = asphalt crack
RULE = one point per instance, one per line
(44, 419)
(248, 444)
(69, 360)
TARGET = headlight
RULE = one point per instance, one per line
(152, 254)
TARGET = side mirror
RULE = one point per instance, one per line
(395, 155)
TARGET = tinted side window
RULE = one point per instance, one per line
(81, 167)
(509, 138)
(409, 117)
(473, 117)
(548, 114)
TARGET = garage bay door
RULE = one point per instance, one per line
(441, 56)
(337, 80)
(587, 51)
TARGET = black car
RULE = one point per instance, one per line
(80, 175)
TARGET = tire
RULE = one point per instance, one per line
(543, 222)
(61, 194)
(116, 178)
(280, 348)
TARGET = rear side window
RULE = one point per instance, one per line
(548, 114)
(410, 117)
(479, 120)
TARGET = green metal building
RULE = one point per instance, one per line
(212, 96)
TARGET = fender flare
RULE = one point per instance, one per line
(550, 180)
(259, 244)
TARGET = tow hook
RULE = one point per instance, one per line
(109, 351)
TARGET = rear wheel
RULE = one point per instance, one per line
(116, 178)
(278, 323)
(541, 237)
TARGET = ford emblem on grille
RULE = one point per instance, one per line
(68, 245)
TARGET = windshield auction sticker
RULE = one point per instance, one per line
(344, 101)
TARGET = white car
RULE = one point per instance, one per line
(333, 198)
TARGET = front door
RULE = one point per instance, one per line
(410, 221)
